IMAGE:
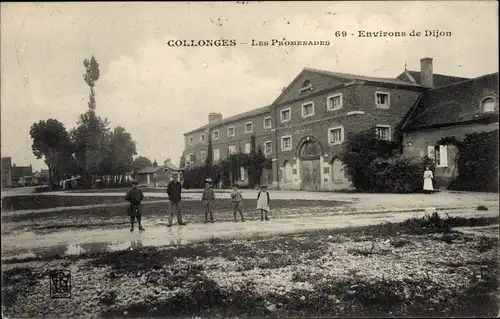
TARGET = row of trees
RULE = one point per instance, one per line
(228, 170)
(91, 149)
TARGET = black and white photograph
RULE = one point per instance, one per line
(250, 159)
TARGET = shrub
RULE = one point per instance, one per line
(196, 176)
(482, 207)
(375, 165)
(477, 162)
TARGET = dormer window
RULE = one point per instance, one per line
(488, 105)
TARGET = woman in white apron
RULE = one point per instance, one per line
(428, 176)
(263, 200)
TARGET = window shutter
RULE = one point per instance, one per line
(443, 155)
(430, 152)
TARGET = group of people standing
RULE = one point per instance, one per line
(174, 189)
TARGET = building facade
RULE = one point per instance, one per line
(305, 129)
(454, 110)
(6, 172)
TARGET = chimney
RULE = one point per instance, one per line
(426, 74)
(213, 117)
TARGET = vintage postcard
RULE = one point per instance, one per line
(250, 159)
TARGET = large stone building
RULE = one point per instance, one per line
(303, 131)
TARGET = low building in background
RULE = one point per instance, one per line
(157, 175)
(22, 175)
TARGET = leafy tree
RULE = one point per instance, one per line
(120, 149)
(363, 150)
(90, 138)
(141, 162)
(90, 77)
(52, 141)
(90, 135)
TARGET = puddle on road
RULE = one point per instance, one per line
(60, 251)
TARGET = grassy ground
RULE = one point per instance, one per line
(116, 216)
(416, 268)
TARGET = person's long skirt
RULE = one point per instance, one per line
(262, 203)
(428, 185)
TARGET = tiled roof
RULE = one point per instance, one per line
(234, 118)
(350, 76)
(438, 79)
(454, 103)
(21, 171)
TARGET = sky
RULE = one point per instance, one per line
(158, 92)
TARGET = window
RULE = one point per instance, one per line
(383, 132)
(488, 105)
(202, 138)
(230, 131)
(203, 156)
(439, 154)
(307, 109)
(337, 170)
(326, 170)
(286, 143)
(191, 158)
(242, 173)
(268, 147)
(232, 149)
(249, 127)
(287, 172)
(382, 99)
(285, 115)
(267, 123)
(334, 102)
(190, 140)
(336, 135)
(215, 134)
(216, 154)
(248, 148)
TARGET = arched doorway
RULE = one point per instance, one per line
(310, 167)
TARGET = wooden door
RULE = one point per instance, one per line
(310, 174)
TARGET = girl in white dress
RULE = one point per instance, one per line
(428, 176)
(263, 200)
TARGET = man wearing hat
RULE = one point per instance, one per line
(174, 190)
(207, 200)
(135, 197)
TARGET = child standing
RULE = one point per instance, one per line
(207, 200)
(263, 200)
(134, 197)
(236, 198)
